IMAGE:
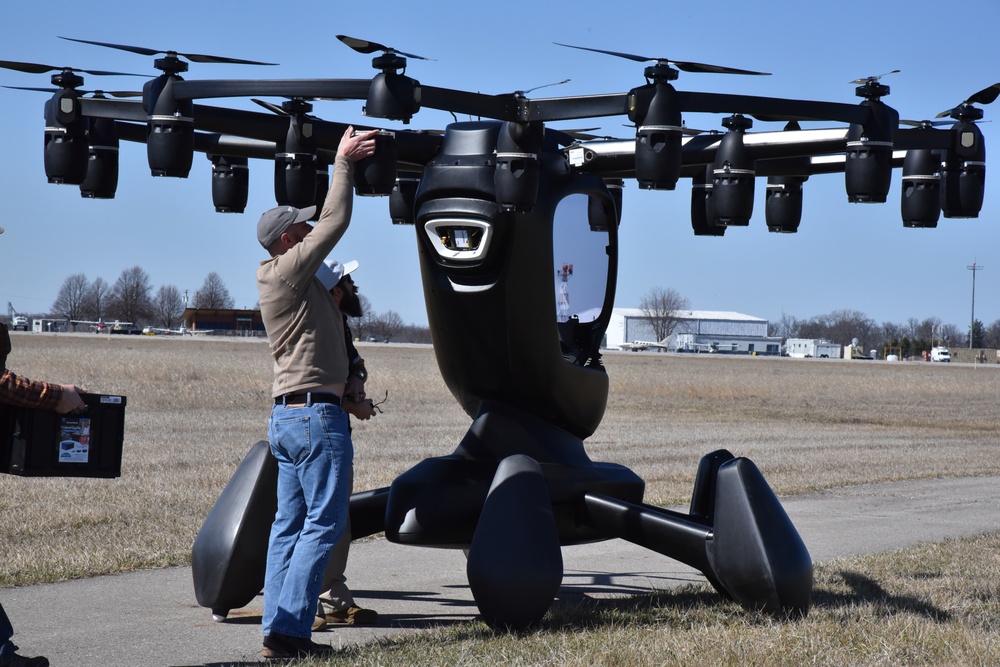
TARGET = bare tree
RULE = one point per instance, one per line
(168, 306)
(951, 334)
(71, 302)
(785, 328)
(387, 325)
(991, 337)
(130, 299)
(662, 307)
(96, 300)
(213, 294)
(842, 326)
(361, 326)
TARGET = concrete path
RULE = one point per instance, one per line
(151, 617)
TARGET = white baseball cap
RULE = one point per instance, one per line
(332, 272)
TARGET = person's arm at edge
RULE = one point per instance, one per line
(20, 391)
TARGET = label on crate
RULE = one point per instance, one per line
(74, 440)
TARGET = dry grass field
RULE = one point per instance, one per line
(196, 405)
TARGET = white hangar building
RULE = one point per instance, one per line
(697, 331)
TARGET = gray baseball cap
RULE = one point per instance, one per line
(275, 221)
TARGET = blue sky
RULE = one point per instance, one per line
(844, 256)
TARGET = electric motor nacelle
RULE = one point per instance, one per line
(295, 164)
(392, 95)
(920, 201)
(868, 163)
(169, 129)
(230, 183)
(295, 179)
(657, 156)
(783, 206)
(170, 145)
(66, 151)
(868, 171)
(616, 187)
(963, 173)
(702, 210)
(518, 165)
(375, 175)
(322, 188)
(602, 212)
(733, 176)
(101, 181)
(402, 199)
(657, 136)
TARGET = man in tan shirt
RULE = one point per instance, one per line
(307, 430)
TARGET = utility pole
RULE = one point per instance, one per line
(972, 322)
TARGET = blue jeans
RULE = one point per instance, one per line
(315, 455)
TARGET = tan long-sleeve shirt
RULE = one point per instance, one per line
(304, 325)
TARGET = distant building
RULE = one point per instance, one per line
(224, 321)
(697, 331)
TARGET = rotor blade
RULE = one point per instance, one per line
(350, 89)
(925, 123)
(628, 56)
(193, 57)
(681, 64)
(713, 69)
(270, 107)
(365, 46)
(361, 45)
(40, 90)
(36, 68)
(986, 95)
(142, 51)
(200, 58)
(875, 77)
(113, 93)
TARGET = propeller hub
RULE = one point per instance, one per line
(171, 64)
(737, 122)
(872, 90)
(967, 113)
(389, 62)
(67, 79)
(296, 106)
(660, 72)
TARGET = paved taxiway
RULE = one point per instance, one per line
(151, 617)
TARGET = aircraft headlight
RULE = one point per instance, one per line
(464, 240)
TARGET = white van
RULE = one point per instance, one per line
(940, 354)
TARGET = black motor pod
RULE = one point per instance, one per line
(920, 202)
(733, 176)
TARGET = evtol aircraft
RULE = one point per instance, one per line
(496, 204)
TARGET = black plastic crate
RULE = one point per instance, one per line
(42, 443)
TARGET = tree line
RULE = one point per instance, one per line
(663, 306)
(132, 299)
(911, 338)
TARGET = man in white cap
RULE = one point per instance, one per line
(336, 602)
(308, 429)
